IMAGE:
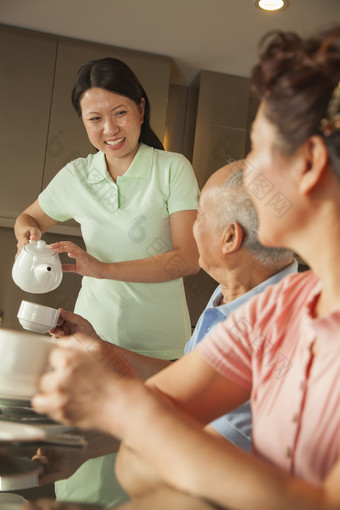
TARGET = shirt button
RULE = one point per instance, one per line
(288, 452)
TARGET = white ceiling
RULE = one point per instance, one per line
(213, 35)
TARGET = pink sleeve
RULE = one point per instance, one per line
(247, 345)
(228, 347)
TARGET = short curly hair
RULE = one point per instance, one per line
(295, 78)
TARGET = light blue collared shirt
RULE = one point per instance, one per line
(235, 426)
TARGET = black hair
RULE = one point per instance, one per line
(115, 76)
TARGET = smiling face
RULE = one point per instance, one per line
(113, 123)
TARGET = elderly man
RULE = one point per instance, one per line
(226, 235)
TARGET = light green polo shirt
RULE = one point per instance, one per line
(129, 220)
(120, 221)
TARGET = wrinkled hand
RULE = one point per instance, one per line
(51, 504)
(85, 264)
(31, 234)
(71, 323)
(83, 383)
(58, 463)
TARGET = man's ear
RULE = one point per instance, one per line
(316, 160)
(232, 238)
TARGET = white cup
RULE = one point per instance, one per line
(37, 318)
(23, 359)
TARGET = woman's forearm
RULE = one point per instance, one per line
(31, 224)
(144, 366)
(25, 226)
(189, 459)
(159, 268)
(164, 267)
(180, 261)
(91, 396)
(135, 475)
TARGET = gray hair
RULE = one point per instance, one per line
(236, 206)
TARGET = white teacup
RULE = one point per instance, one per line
(23, 359)
(37, 318)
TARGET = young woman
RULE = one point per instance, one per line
(136, 205)
(280, 349)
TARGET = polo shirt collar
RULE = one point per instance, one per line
(97, 168)
(140, 167)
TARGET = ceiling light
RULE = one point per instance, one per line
(271, 5)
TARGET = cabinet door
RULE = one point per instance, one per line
(221, 122)
(27, 63)
(67, 137)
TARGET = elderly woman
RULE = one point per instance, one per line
(281, 348)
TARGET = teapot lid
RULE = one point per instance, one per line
(39, 248)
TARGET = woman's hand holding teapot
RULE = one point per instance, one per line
(85, 264)
(31, 234)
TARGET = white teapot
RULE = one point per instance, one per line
(37, 268)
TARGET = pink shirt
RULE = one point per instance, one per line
(266, 346)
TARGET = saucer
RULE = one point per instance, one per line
(19, 432)
(17, 400)
(22, 414)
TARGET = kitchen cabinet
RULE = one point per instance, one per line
(40, 131)
(27, 65)
(216, 129)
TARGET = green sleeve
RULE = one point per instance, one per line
(184, 189)
(55, 199)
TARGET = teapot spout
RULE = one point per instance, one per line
(45, 274)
